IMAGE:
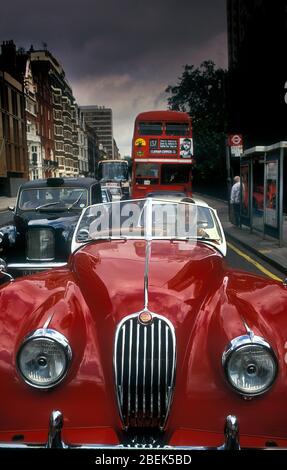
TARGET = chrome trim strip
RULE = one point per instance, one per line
(146, 274)
(248, 330)
(48, 321)
(39, 266)
(132, 449)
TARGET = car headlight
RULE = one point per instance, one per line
(43, 358)
(250, 365)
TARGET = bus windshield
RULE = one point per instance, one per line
(117, 171)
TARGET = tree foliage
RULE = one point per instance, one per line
(201, 93)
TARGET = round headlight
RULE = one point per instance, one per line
(250, 365)
(43, 358)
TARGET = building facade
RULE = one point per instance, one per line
(100, 119)
(95, 151)
(60, 122)
(82, 139)
(43, 132)
(34, 144)
(117, 154)
(13, 142)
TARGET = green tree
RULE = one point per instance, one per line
(201, 93)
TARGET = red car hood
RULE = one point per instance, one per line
(191, 287)
(179, 277)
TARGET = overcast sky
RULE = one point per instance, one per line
(121, 54)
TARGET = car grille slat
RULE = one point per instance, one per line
(151, 370)
(130, 365)
(144, 364)
(159, 362)
(137, 369)
(144, 370)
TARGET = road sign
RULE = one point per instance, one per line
(236, 150)
(235, 140)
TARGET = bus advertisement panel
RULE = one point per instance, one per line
(162, 153)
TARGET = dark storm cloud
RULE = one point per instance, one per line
(121, 53)
(101, 36)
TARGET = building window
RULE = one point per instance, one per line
(58, 130)
(57, 114)
(59, 145)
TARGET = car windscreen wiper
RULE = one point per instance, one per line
(47, 205)
(76, 201)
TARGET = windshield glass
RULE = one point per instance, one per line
(52, 198)
(177, 128)
(113, 170)
(150, 128)
(175, 174)
(148, 218)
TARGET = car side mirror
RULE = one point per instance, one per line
(11, 208)
(3, 271)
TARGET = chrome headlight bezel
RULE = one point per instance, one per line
(51, 336)
(239, 343)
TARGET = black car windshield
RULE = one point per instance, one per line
(53, 198)
(149, 218)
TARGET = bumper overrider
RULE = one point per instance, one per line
(54, 439)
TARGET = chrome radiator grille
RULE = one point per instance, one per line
(40, 244)
(144, 362)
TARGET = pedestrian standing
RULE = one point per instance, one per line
(235, 200)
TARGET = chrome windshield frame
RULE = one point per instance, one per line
(150, 202)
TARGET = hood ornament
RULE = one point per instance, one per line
(145, 317)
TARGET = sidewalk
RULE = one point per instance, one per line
(5, 202)
(267, 249)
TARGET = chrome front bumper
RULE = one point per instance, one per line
(54, 439)
(30, 268)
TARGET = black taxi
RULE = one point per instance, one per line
(45, 216)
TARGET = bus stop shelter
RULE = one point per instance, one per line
(263, 171)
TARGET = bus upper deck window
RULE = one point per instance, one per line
(176, 128)
(150, 128)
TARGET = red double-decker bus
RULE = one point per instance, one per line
(162, 153)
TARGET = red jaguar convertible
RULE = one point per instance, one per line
(144, 338)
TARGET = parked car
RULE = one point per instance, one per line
(145, 338)
(106, 194)
(45, 217)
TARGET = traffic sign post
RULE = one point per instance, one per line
(235, 142)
